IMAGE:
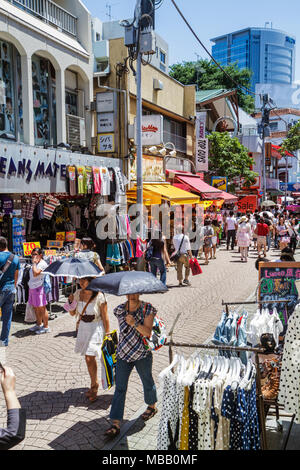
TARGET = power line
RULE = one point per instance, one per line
(207, 51)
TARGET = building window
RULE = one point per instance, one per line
(162, 57)
(98, 37)
(44, 101)
(7, 92)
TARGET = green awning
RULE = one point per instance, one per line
(275, 192)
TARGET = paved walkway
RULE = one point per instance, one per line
(52, 379)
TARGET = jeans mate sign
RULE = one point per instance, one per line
(201, 143)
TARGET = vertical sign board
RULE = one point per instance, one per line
(278, 282)
(107, 128)
(247, 204)
(201, 143)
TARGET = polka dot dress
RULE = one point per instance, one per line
(289, 388)
(169, 412)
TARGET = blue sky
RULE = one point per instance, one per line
(209, 19)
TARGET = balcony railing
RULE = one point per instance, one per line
(177, 140)
(49, 12)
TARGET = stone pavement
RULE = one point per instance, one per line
(52, 379)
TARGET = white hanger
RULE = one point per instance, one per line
(167, 369)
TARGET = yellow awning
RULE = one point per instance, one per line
(149, 198)
(172, 194)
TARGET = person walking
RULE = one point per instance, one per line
(208, 235)
(91, 312)
(293, 229)
(262, 231)
(160, 256)
(9, 271)
(282, 233)
(231, 228)
(216, 228)
(16, 416)
(135, 319)
(37, 296)
(244, 237)
(182, 247)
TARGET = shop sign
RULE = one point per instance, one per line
(153, 169)
(219, 182)
(152, 130)
(28, 247)
(61, 236)
(247, 204)
(105, 102)
(55, 244)
(106, 143)
(70, 236)
(106, 122)
(201, 143)
(50, 252)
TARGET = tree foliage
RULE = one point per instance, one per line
(228, 157)
(208, 76)
(292, 142)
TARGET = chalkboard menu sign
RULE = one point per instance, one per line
(278, 282)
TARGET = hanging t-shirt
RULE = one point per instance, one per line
(81, 179)
(75, 213)
(89, 179)
(96, 180)
(105, 181)
(50, 205)
(71, 174)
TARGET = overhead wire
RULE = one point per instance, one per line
(207, 51)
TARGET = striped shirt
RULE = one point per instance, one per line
(131, 347)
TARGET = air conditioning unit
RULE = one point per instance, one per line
(76, 134)
(157, 84)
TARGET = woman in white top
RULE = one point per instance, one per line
(91, 311)
(37, 296)
(244, 238)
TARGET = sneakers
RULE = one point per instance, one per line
(187, 282)
(34, 328)
(42, 330)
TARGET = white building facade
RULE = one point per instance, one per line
(46, 73)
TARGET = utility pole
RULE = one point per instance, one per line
(265, 130)
(139, 39)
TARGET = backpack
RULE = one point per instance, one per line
(149, 252)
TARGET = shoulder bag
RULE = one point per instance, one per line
(177, 255)
(158, 337)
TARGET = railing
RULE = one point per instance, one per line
(177, 140)
(49, 12)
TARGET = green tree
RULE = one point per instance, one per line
(208, 76)
(228, 157)
(292, 142)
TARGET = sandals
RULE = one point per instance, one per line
(92, 393)
(112, 432)
(149, 413)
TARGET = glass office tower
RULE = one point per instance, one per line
(269, 53)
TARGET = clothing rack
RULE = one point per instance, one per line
(257, 351)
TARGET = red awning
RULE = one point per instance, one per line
(228, 197)
(276, 152)
(195, 183)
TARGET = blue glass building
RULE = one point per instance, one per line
(269, 53)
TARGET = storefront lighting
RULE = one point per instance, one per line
(153, 149)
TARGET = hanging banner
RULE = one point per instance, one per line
(201, 143)
(247, 204)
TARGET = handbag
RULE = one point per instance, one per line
(195, 267)
(177, 255)
(158, 337)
